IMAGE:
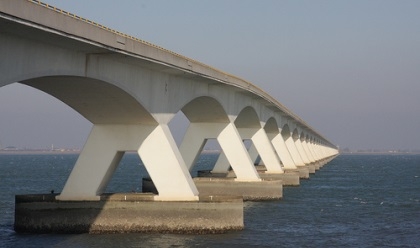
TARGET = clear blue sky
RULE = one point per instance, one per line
(351, 69)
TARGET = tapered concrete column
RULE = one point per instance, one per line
(301, 151)
(194, 140)
(334, 151)
(230, 142)
(294, 152)
(264, 148)
(166, 166)
(104, 149)
(99, 159)
(317, 149)
(322, 151)
(237, 155)
(308, 152)
(326, 151)
(282, 151)
(253, 153)
(222, 164)
(314, 152)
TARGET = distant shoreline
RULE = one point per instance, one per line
(52, 152)
(379, 153)
(49, 152)
(29, 152)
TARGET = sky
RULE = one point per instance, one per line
(350, 69)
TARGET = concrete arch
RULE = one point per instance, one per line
(121, 123)
(205, 109)
(311, 139)
(289, 139)
(249, 127)
(285, 131)
(306, 147)
(248, 124)
(131, 90)
(273, 132)
(271, 126)
(299, 145)
(295, 134)
(279, 143)
(217, 125)
(247, 118)
(302, 135)
(97, 101)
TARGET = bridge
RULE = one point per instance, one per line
(130, 90)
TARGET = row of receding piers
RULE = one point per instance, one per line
(219, 208)
(130, 90)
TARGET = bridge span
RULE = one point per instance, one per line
(130, 90)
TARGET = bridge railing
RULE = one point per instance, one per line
(123, 34)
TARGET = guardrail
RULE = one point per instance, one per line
(124, 35)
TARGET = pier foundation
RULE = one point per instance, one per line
(303, 171)
(311, 168)
(127, 213)
(289, 178)
(249, 190)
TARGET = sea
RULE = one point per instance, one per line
(353, 201)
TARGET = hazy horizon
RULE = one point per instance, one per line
(350, 69)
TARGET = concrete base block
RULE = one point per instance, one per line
(249, 190)
(124, 213)
(260, 168)
(288, 178)
(311, 168)
(208, 173)
(316, 164)
(303, 172)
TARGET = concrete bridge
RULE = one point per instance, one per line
(130, 90)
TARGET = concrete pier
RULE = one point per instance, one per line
(289, 178)
(126, 213)
(303, 171)
(250, 190)
(311, 168)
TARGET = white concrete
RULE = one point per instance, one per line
(291, 147)
(264, 148)
(106, 146)
(301, 151)
(311, 146)
(230, 142)
(253, 154)
(233, 147)
(166, 167)
(308, 151)
(98, 161)
(130, 90)
(222, 164)
(282, 151)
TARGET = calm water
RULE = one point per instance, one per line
(354, 201)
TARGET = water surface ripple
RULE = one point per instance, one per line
(354, 201)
